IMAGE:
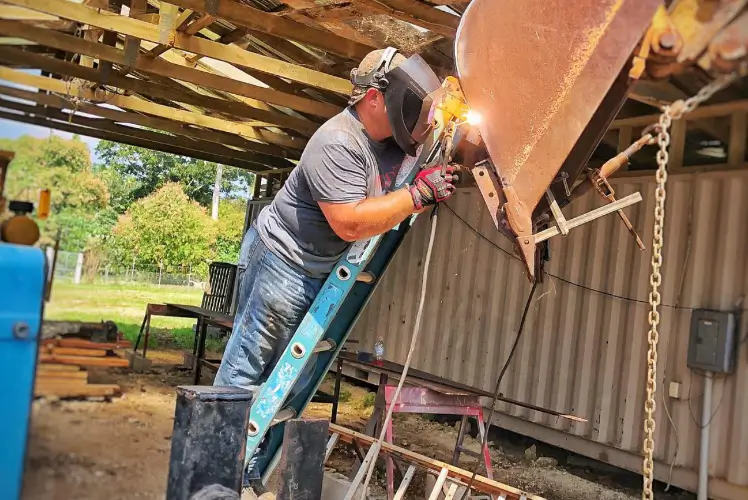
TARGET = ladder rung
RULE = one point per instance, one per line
(405, 482)
(366, 277)
(325, 345)
(283, 415)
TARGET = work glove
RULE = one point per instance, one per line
(431, 187)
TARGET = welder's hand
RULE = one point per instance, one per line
(431, 187)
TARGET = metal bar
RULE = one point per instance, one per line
(371, 455)
(438, 485)
(331, 445)
(481, 483)
(283, 416)
(460, 438)
(407, 478)
(590, 216)
(557, 213)
(451, 492)
(336, 395)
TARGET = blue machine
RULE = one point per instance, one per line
(23, 272)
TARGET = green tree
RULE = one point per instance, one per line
(79, 197)
(229, 230)
(133, 173)
(165, 228)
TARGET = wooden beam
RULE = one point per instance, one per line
(738, 138)
(270, 157)
(181, 25)
(146, 31)
(57, 66)
(248, 17)
(481, 483)
(417, 13)
(166, 69)
(124, 139)
(710, 111)
(238, 157)
(150, 108)
(12, 13)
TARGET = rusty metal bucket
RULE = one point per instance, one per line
(547, 77)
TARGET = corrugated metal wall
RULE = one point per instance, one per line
(584, 352)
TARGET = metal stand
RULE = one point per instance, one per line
(425, 400)
(207, 444)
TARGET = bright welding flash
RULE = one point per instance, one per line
(473, 117)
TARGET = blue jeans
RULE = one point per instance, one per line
(273, 298)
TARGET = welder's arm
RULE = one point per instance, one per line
(372, 216)
(369, 217)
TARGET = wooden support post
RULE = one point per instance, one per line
(738, 138)
(302, 459)
(677, 145)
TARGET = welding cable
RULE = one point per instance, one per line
(498, 384)
(414, 340)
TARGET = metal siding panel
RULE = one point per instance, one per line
(585, 352)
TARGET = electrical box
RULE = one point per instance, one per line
(712, 343)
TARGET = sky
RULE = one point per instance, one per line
(14, 130)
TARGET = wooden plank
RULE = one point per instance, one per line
(126, 139)
(481, 483)
(238, 109)
(87, 344)
(417, 13)
(57, 368)
(111, 361)
(151, 108)
(79, 375)
(248, 17)
(146, 31)
(72, 351)
(209, 141)
(166, 69)
(44, 389)
(13, 13)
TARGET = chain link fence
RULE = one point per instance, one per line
(72, 267)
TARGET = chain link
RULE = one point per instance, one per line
(674, 111)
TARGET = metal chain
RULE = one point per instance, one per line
(674, 111)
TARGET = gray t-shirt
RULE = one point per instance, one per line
(340, 164)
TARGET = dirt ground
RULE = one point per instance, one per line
(119, 449)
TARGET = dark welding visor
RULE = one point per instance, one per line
(411, 92)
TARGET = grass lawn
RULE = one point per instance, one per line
(125, 305)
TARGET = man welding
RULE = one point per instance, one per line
(341, 191)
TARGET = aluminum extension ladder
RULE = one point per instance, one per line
(323, 331)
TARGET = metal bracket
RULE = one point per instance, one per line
(590, 216)
(557, 213)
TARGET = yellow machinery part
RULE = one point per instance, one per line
(45, 202)
(20, 230)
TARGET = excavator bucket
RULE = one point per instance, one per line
(547, 77)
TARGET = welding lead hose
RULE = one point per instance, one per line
(374, 451)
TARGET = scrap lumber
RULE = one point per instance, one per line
(73, 351)
(108, 361)
(44, 388)
(88, 344)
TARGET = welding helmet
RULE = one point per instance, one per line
(410, 91)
